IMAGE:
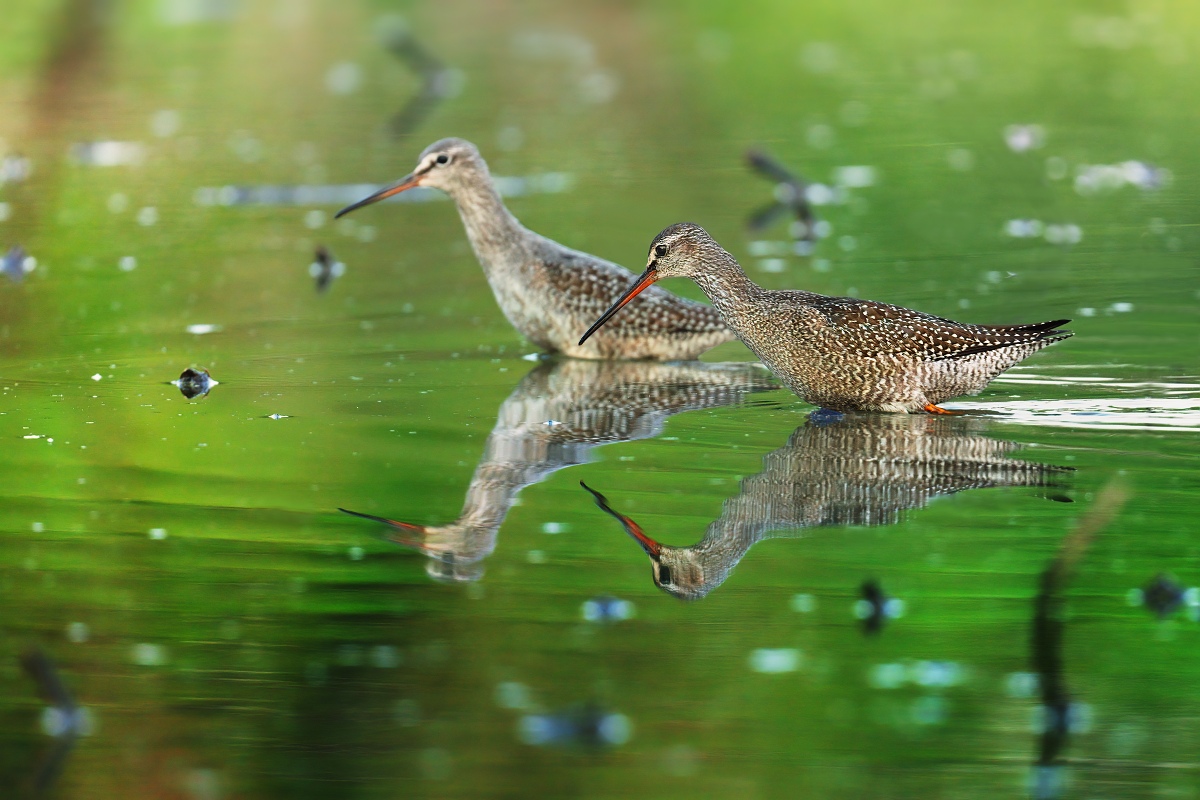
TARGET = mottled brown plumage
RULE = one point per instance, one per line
(552, 420)
(864, 469)
(550, 292)
(841, 352)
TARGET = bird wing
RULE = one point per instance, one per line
(870, 328)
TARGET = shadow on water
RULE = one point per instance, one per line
(1058, 714)
(853, 470)
(553, 419)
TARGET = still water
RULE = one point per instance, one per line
(992, 605)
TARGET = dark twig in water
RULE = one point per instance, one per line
(790, 195)
(69, 720)
(325, 268)
(437, 80)
(1058, 713)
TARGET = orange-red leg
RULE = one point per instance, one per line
(932, 409)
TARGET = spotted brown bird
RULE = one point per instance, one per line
(550, 292)
(841, 352)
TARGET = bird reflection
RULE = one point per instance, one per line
(854, 470)
(553, 419)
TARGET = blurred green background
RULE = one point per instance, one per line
(183, 562)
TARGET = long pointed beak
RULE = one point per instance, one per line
(407, 527)
(407, 182)
(648, 277)
(651, 547)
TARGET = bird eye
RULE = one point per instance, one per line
(660, 250)
(664, 574)
(442, 158)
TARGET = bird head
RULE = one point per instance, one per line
(446, 164)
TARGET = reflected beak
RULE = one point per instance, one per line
(648, 277)
(651, 547)
(407, 527)
(407, 182)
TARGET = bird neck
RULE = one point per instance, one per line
(722, 279)
(494, 233)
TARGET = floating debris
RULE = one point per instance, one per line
(16, 263)
(578, 726)
(1164, 596)
(325, 268)
(607, 608)
(108, 154)
(194, 383)
(875, 608)
(791, 195)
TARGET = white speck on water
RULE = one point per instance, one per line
(1023, 138)
(5, 212)
(775, 660)
(314, 219)
(513, 695)
(97, 377)
(285, 416)
(39, 527)
(527, 357)
(822, 265)
(847, 243)
(1056, 168)
(149, 655)
(158, 534)
(201, 328)
(127, 264)
(536, 557)
(117, 202)
(555, 527)
(822, 229)
(33, 436)
(855, 177)
(774, 265)
(1121, 308)
(1086, 312)
(356, 553)
(887, 676)
(147, 216)
(803, 603)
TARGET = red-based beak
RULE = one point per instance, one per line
(648, 277)
(417, 530)
(407, 182)
(651, 547)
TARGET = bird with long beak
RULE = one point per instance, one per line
(548, 291)
(841, 353)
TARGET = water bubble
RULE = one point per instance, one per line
(145, 654)
(819, 136)
(314, 219)
(343, 78)
(147, 216)
(1021, 684)
(775, 660)
(961, 159)
(803, 603)
(158, 534)
(127, 264)
(78, 632)
(165, 123)
(555, 527)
